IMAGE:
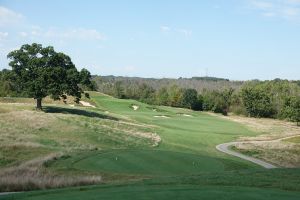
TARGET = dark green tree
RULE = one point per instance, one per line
(291, 109)
(189, 98)
(42, 71)
(257, 102)
(5, 83)
(147, 93)
(85, 80)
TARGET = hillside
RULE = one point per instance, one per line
(129, 147)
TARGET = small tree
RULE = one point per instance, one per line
(257, 102)
(119, 90)
(42, 71)
(162, 96)
(291, 109)
(189, 98)
(5, 83)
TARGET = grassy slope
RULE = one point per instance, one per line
(27, 134)
(163, 193)
(187, 147)
(185, 165)
(293, 140)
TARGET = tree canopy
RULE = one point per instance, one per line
(41, 71)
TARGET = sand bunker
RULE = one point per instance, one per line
(185, 115)
(135, 107)
(161, 116)
(87, 104)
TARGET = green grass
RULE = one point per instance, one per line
(197, 134)
(187, 146)
(163, 193)
(293, 139)
(184, 165)
(149, 162)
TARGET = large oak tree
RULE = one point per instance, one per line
(42, 72)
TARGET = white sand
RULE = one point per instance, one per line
(135, 107)
(161, 116)
(87, 104)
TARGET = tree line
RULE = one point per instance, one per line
(278, 98)
(37, 72)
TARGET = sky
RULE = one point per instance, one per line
(235, 39)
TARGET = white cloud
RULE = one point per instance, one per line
(262, 5)
(9, 17)
(185, 32)
(36, 32)
(129, 68)
(287, 9)
(291, 12)
(3, 35)
(23, 34)
(165, 29)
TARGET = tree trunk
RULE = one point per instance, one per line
(39, 104)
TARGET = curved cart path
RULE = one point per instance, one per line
(225, 149)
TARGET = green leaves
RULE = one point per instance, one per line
(42, 71)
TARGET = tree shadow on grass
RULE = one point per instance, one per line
(74, 111)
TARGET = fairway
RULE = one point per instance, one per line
(149, 162)
(187, 143)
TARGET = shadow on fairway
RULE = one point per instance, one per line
(74, 111)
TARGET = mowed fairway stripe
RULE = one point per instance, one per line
(149, 162)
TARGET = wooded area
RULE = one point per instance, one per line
(274, 99)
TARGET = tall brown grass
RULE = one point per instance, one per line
(33, 175)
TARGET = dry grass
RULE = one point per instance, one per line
(270, 144)
(280, 153)
(271, 129)
(27, 136)
(33, 175)
(21, 126)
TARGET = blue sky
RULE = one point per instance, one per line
(235, 39)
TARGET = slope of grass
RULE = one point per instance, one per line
(187, 145)
(164, 193)
(120, 144)
(26, 134)
(293, 139)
